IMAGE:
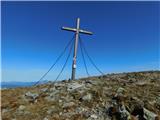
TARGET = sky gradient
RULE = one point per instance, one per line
(126, 37)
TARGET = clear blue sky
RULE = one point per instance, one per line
(126, 37)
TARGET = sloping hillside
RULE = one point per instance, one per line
(117, 96)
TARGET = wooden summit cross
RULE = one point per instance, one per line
(77, 30)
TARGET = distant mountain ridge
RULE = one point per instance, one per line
(15, 84)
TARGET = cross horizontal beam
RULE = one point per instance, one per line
(75, 30)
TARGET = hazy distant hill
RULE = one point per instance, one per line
(16, 84)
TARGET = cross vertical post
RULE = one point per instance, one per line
(77, 31)
(75, 50)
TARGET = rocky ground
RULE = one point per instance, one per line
(124, 96)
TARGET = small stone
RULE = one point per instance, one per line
(120, 90)
(120, 94)
(45, 118)
(52, 89)
(60, 113)
(31, 96)
(150, 115)
(123, 112)
(44, 89)
(50, 111)
(67, 105)
(94, 116)
(86, 113)
(93, 82)
(52, 96)
(74, 86)
(21, 107)
(60, 101)
(141, 83)
(59, 86)
(87, 97)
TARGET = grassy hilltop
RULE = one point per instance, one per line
(86, 99)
